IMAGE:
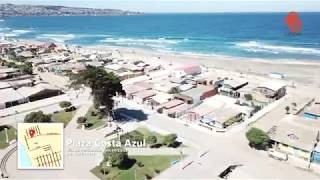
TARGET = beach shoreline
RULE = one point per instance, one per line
(302, 71)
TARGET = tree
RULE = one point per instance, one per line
(169, 139)
(151, 139)
(37, 117)
(81, 120)
(248, 97)
(65, 104)
(257, 138)
(175, 90)
(115, 156)
(26, 68)
(287, 109)
(104, 86)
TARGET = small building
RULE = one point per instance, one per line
(169, 105)
(143, 96)
(234, 84)
(160, 98)
(272, 89)
(39, 91)
(186, 70)
(295, 136)
(218, 111)
(197, 94)
(9, 97)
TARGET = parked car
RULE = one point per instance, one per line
(277, 155)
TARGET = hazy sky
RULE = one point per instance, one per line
(187, 5)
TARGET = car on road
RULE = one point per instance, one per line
(277, 155)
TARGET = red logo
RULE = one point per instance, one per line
(293, 21)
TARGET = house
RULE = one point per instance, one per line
(169, 105)
(136, 87)
(39, 91)
(174, 108)
(160, 98)
(234, 84)
(197, 94)
(186, 70)
(4, 85)
(166, 87)
(295, 136)
(9, 97)
(272, 89)
(218, 111)
(143, 96)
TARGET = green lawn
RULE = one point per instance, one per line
(63, 117)
(11, 135)
(146, 132)
(95, 120)
(151, 164)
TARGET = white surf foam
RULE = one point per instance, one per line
(134, 40)
(22, 31)
(60, 38)
(254, 46)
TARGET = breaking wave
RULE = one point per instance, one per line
(253, 46)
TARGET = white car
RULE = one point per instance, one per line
(277, 155)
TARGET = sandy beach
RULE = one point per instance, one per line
(303, 72)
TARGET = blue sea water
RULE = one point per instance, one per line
(257, 35)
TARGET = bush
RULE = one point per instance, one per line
(65, 104)
(257, 138)
(140, 164)
(151, 139)
(81, 120)
(157, 171)
(37, 117)
(169, 139)
(93, 113)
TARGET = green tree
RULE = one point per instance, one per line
(257, 138)
(116, 156)
(65, 104)
(151, 139)
(81, 120)
(26, 68)
(104, 86)
(37, 117)
(169, 139)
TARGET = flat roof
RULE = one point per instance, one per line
(296, 131)
(172, 103)
(10, 95)
(272, 85)
(197, 91)
(145, 94)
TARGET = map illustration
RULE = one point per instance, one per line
(40, 146)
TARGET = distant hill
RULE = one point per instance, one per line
(44, 10)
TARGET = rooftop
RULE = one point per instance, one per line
(272, 85)
(296, 131)
(9, 95)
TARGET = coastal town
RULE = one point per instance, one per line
(212, 122)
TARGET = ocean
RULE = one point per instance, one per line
(252, 35)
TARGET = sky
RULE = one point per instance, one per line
(181, 6)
